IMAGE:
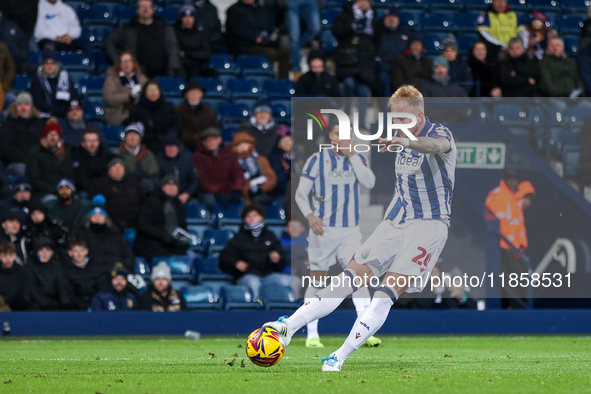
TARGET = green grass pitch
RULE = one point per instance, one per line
(403, 364)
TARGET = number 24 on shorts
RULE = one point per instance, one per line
(425, 261)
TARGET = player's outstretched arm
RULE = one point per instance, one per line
(430, 145)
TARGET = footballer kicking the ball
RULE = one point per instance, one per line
(406, 244)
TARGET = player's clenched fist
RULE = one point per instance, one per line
(315, 224)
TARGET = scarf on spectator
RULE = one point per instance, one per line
(58, 151)
(363, 20)
(78, 124)
(444, 81)
(264, 128)
(256, 228)
(286, 161)
(130, 81)
(251, 167)
(63, 84)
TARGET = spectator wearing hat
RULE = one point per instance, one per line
(194, 115)
(251, 30)
(52, 87)
(161, 218)
(176, 161)
(260, 179)
(459, 72)
(74, 124)
(12, 219)
(484, 72)
(559, 76)
(84, 276)
(440, 84)
(21, 195)
(139, 161)
(196, 42)
(254, 256)
(48, 162)
(497, 26)
(299, 11)
(392, 38)
(161, 296)
(14, 38)
(412, 66)
(263, 128)
(7, 71)
(157, 116)
(122, 193)
(68, 210)
(150, 39)
(122, 88)
(539, 35)
(280, 160)
(519, 73)
(40, 226)
(58, 27)
(49, 289)
(115, 296)
(14, 279)
(21, 131)
(317, 81)
(222, 178)
(90, 159)
(104, 240)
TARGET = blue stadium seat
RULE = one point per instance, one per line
(77, 76)
(223, 64)
(129, 236)
(445, 5)
(465, 42)
(249, 103)
(200, 297)
(281, 112)
(571, 44)
(228, 133)
(101, 64)
(575, 6)
(554, 20)
(208, 269)
(126, 13)
(544, 5)
(215, 103)
(97, 34)
(77, 6)
(327, 18)
(237, 297)
(275, 215)
(99, 14)
(440, 21)
(254, 65)
(279, 89)
(20, 83)
(94, 108)
(180, 285)
(228, 216)
(175, 101)
(171, 86)
(233, 113)
(519, 5)
(329, 42)
(91, 86)
(510, 115)
(278, 297)
(181, 267)
(142, 267)
(113, 134)
(570, 158)
(411, 19)
(216, 286)
(466, 22)
(214, 88)
(434, 43)
(74, 61)
(476, 5)
(410, 4)
(277, 230)
(575, 117)
(197, 213)
(35, 57)
(239, 88)
(572, 24)
(215, 240)
(168, 13)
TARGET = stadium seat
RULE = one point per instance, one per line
(572, 24)
(237, 297)
(327, 18)
(275, 214)
(440, 21)
(168, 13)
(571, 44)
(125, 14)
(214, 88)
(575, 6)
(254, 65)
(171, 86)
(453, 5)
(465, 42)
(208, 269)
(279, 89)
(277, 230)
(75, 61)
(476, 5)
(200, 297)
(20, 83)
(223, 64)
(175, 101)
(466, 22)
(96, 34)
(228, 133)
(554, 20)
(543, 5)
(411, 19)
(197, 213)
(216, 286)
(101, 64)
(215, 103)
(278, 297)
(570, 157)
(228, 216)
(410, 4)
(239, 88)
(91, 86)
(181, 267)
(94, 108)
(434, 43)
(129, 236)
(35, 57)
(233, 113)
(99, 14)
(575, 117)
(114, 135)
(329, 42)
(510, 115)
(281, 112)
(215, 240)
(180, 285)
(519, 6)
(142, 267)
(77, 6)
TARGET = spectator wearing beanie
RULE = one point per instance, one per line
(48, 284)
(122, 193)
(413, 65)
(260, 179)
(115, 296)
(12, 219)
(139, 160)
(68, 210)
(194, 115)
(195, 41)
(176, 161)
(122, 88)
(440, 84)
(21, 130)
(222, 178)
(14, 279)
(90, 160)
(74, 124)
(254, 256)
(157, 116)
(263, 128)
(52, 87)
(48, 162)
(317, 81)
(161, 296)
(459, 72)
(391, 37)
(21, 195)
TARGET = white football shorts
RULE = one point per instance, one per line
(336, 244)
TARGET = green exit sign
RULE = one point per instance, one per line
(488, 155)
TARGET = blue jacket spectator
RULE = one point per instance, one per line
(178, 162)
(115, 296)
(392, 39)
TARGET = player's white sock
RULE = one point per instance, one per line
(326, 301)
(312, 327)
(368, 322)
(361, 299)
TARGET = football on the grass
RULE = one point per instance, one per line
(264, 347)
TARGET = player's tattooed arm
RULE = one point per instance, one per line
(430, 145)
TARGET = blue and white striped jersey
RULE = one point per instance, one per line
(424, 182)
(335, 189)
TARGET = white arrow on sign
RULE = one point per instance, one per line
(494, 156)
